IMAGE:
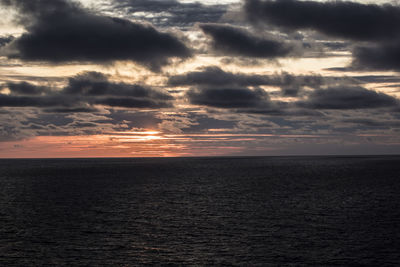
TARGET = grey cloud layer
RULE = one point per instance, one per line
(348, 20)
(385, 56)
(24, 88)
(215, 76)
(290, 85)
(82, 92)
(62, 31)
(4, 40)
(235, 41)
(348, 98)
(166, 13)
(228, 97)
(361, 23)
(209, 88)
(335, 98)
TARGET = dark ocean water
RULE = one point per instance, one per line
(321, 211)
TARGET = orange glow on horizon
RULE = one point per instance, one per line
(146, 143)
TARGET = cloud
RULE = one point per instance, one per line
(71, 110)
(377, 78)
(24, 88)
(97, 84)
(31, 101)
(245, 100)
(78, 124)
(343, 19)
(132, 102)
(133, 118)
(257, 101)
(215, 76)
(62, 31)
(376, 24)
(348, 98)
(384, 56)
(235, 41)
(171, 13)
(373, 123)
(82, 92)
(290, 85)
(4, 40)
(228, 97)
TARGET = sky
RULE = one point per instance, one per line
(160, 78)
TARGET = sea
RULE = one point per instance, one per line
(232, 211)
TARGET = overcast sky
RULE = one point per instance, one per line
(135, 78)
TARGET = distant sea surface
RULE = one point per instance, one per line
(261, 211)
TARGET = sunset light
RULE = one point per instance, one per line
(199, 133)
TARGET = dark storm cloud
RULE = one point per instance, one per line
(376, 24)
(350, 20)
(97, 84)
(230, 40)
(228, 97)
(31, 101)
(24, 88)
(4, 40)
(378, 78)
(83, 91)
(62, 31)
(384, 56)
(246, 101)
(171, 12)
(215, 76)
(336, 46)
(257, 101)
(348, 98)
(97, 89)
(290, 85)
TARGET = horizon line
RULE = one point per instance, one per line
(222, 156)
